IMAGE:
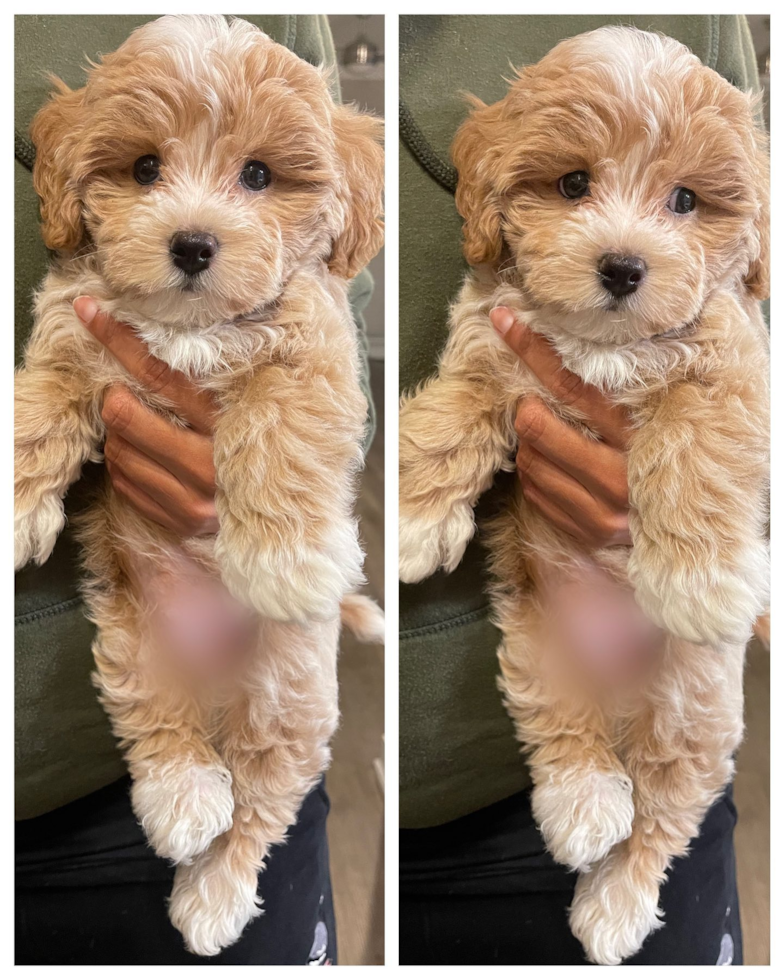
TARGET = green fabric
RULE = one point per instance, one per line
(64, 745)
(457, 747)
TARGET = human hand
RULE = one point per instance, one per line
(164, 470)
(579, 484)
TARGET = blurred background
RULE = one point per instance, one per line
(356, 780)
(359, 44)
(760, 32)
(752, 783)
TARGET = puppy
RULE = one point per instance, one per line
(617, 198)
(206, 189)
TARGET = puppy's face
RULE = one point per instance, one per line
(204, 164)
(626, 180)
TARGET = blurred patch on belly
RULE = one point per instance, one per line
(596, 626)
(195, 624)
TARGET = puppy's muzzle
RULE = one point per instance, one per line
(621, 274)
(193, 251)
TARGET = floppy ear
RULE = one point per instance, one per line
(359, 141)
(476, 202)
(758, 277)
(54, 132)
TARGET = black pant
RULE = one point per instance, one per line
(89, 890)
(483, 890)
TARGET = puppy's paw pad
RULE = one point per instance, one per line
(612, 913)
(210, 906)
(582, 815)
(183, 808)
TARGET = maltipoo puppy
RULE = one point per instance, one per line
(617, 198)
(205, 188)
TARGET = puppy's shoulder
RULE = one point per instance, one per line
(470, 328)
(733, 335)
(56, 324)
(315, 307)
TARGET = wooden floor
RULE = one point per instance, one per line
(356, 824)
(752, 798)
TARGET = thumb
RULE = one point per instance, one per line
(514, 333)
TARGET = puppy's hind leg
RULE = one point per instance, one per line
(582, 797)
(275, 743)
(680, 758)
(181, 791)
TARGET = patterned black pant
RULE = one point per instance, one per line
(90, 891)
(482, 890)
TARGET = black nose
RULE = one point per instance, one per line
(192, 251)
(621, 274)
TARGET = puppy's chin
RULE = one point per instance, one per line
(579, 308)
(619, 323)
(195, 303)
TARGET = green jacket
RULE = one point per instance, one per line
(64, 745)
(458, 752)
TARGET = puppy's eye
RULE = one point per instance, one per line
(255, 175)
(147, 169)
(574, 184)
(682, 200)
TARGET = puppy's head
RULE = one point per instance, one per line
(626, 181)
(203, 164)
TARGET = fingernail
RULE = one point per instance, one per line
(85, 308)
(502, 319)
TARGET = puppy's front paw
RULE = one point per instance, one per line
(425, 545)
(713, 605)
(212, 902)
(307, 581)
(183, 807)
(36, 530)
(614, 910)
(582, 814)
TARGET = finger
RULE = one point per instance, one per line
(602, 523)
(185, 453)
(192, 404)
(610, 421)
(141, 501)
(597, 466)
(553, 513)
(567, 492)
(157, 482)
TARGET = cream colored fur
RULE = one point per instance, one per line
(219, 769)
(621, 783)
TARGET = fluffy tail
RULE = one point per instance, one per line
(762, 630)
(363, 617)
